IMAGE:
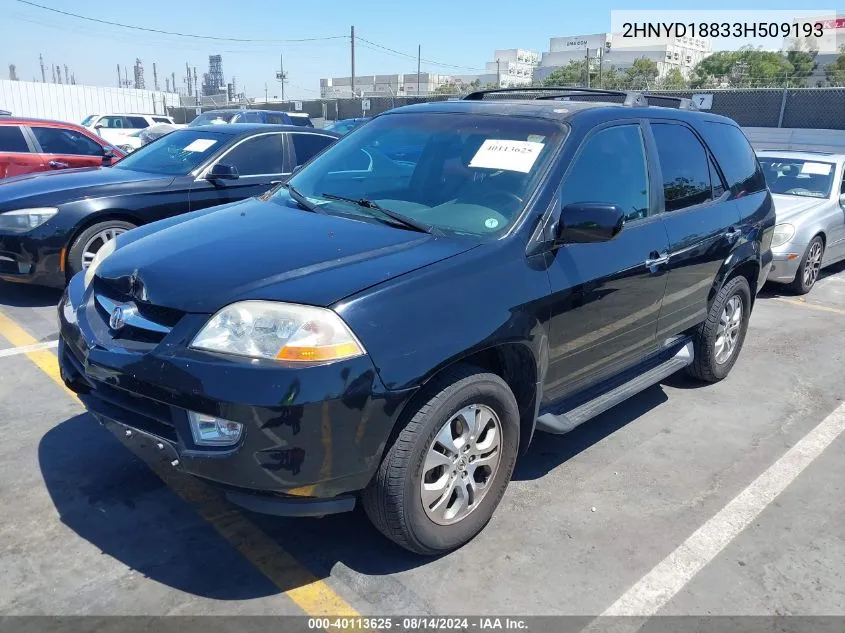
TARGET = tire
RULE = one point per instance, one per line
(711, 364)
(77, 249)
(811, 264)
(393, 500)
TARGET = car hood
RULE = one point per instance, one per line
(257, 249)
(789, 207)
(57, 187)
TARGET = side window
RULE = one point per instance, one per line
(736, 158)
(685, 166)
(307, 145)
(258, 155)
(249, 117)
(138, 122)
(276, 119)
(12, 139)
(113, 122)
(58, 141)
(161, 119)
(611, 168)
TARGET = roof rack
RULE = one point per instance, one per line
(630, 97)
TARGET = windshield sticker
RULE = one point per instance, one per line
(200, 145)
(819, 169)
(508, 155)
(491, 223)
(536, 138)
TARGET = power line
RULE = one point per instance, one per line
(160, 31)
(409, 56)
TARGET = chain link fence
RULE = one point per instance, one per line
(815, 108)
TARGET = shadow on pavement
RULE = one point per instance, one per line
(26, 296)
(115, 501)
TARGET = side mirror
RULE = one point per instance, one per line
(222, 171)
(842, 199)
(108, 155)
(586, 222)
(98, 127)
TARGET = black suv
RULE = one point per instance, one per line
(395, 331)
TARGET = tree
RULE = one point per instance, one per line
(835, 70)
(803, 64)
(673, 80)
(611, 79)
(641, 74)
(571, 74)
(449, 88)
(744, 68)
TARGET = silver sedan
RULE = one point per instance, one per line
(809, 196)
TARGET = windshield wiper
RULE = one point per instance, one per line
(300, 199)
(398, 218)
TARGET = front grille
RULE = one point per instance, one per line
(145, 325)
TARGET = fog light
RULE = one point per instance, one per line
(210, 431)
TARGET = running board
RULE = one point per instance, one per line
(565, 422)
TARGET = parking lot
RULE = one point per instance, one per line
(685, 500)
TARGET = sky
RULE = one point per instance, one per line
(457, 36)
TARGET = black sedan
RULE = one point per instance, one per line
(52, 225)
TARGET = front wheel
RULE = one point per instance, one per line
(718, 341)
(811, 264)
(91, 240)
(446, 471)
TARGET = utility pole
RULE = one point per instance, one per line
(601, 64)
(265, 92)
(67, 75)
(167, 84)
(59, 73)
(119, 80)
(173, 81)
(196, 89)
(155, 77)
(352, 42)
(498, 74)
(54, 74)
(281, 74)
(419, 55)
(188, 78)
(41, 61)
(587, 67)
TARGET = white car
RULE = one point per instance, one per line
(128, 143)
(115, 127)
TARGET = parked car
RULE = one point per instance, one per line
(395, 332)
(344, 126)
(35, 145)
(113, 126)
(271, 117)
(140, 138)
(809, 194)
(53, 226)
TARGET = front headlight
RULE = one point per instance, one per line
(105, 250)
(783, 233)
(23, 220)
(278, 331)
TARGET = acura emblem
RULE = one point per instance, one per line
(117, 319)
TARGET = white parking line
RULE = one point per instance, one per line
(23, 349)
(661, 584)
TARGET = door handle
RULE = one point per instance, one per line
(58, 164)
(654, 259)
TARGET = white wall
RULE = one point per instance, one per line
(74, 103)
(798, 139)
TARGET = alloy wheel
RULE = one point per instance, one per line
(727, 334)
(93, 245)
(460, 464)
(813, 264)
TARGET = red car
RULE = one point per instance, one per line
(30, 145)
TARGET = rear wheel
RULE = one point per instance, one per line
(811, 265)
(90, 241)
(447, 469)
(718, 341)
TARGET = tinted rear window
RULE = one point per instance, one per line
(12, 140)
(736, 158)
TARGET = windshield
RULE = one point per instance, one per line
(212, 118)
(460, 173)
(87, 120)
(174, 154)
(796, 177)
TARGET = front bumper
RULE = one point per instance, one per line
(32, 257)
(785, 263)
(312, 438)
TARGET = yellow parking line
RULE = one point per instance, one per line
(814, 306)
(312, 595)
